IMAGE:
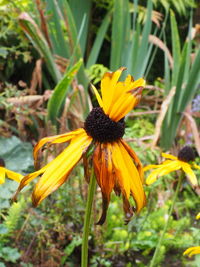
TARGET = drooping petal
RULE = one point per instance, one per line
(2, 175)
(162, 169)
(192, 251)
(102, 160)
(13, 175)
(28, 178)
(128, 176)
(59, 169)
(135, 158)
(189, 172)
(56, 139)
(169, 156)
(150, 166)
(196, 166)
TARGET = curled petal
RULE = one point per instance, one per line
(103, 170)
(56, 139)
(192, 251)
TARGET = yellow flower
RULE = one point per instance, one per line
(7, 173)
(116, 165)
(184, 161)
(192, 251)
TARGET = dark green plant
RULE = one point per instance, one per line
(185, 77)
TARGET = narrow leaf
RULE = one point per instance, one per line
(60, 91)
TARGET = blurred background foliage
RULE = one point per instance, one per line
(50, 51)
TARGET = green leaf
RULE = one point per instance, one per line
(16, 154)
(98, 41)
(176, 50)
(60, 91)
(143, 48)
(36, 37)
(80, 9)
(118, 32)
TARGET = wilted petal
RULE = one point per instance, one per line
(59, 169)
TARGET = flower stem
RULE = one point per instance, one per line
(86, 227)
(153, 261)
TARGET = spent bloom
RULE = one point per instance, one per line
(116, 165)
(184, 161)
(8, 173)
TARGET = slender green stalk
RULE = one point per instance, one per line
(153, 261)
(86, 227)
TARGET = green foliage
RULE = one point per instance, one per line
(185, 77)
(14, 49)
(8, 254)
(129, 43)
(180, 6)
(139, 128)
(11, 221)
(96, 72)
(11, 148)
(57, 99)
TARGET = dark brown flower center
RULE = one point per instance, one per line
(186, 154)
(101, 128)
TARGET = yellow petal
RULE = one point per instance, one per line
(168, 156)
(59, 169)
(163, 169)
(196, 166)
(27, 179)
(190, 174)
(150, 166)
(192, 251)
(13, 175)
(135, 158)
(126, 101)
(198, 216)
(108, 84)
(2, 175)
(128, 176)
(56, 139)
(97, 96)
(152, 177)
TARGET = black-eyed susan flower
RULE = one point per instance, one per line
(184, 161)
(8, 173)
(116, 165)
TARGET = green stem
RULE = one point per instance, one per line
(86, 227)
(153, 261)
